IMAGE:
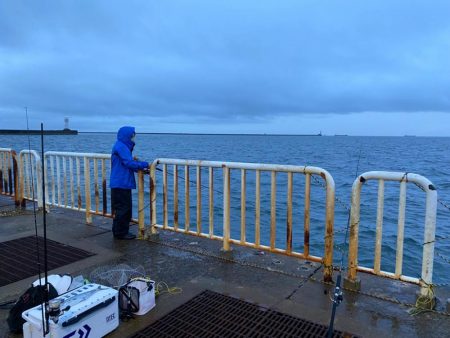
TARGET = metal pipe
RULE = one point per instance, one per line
(307, 215)
(104, 189)
(141, 208)
(249, 166)
(65, 181)
(16, 178)
(199, 200)
(96, 190)
(165, 198)
(258, 208)
(226, 208)
(380, 207)
(243, 205)
(58, 181)
(153, 197)
(79, 201)
(52, 169)
(400, 229)
(87, 189)
(175, 196)
(186, 199)
(289, 214)
(273, 211)
(354, 230)
(329, 235)
(429, 239)
(72, 193)
(211, 202)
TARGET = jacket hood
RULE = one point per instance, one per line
(125, 134)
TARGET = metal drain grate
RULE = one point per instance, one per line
(212, 314)
(19, 257)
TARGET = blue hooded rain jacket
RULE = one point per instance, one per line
(123, 166)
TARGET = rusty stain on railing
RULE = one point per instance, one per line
(141, 216)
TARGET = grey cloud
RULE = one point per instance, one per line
(239, 60)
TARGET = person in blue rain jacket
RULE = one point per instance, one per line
(122, 181)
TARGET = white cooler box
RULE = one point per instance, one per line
(89, 311)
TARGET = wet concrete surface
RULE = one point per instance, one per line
(287, 284)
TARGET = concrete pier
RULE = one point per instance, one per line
(287, 284)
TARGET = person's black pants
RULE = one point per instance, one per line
(121, 208)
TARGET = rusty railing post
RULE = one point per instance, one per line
(87, 189)
(329, 223)
(16, 179)
(226, 208)
(141, 208)
(352, 282)
(153, 198)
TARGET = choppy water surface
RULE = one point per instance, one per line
(429, 157)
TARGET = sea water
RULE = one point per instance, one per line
(342, 156)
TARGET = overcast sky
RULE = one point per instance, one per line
(340, 67)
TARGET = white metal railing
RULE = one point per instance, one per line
(226, 167)
(69, 173)
(72, 178)
(31, 176)
(429, 233)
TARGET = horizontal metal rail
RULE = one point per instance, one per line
(244, 168)
(429, 233)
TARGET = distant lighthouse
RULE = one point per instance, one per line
(66, 123)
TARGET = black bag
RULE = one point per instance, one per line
(32, 297)
(128, 301)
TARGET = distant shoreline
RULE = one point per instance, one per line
(37, 132)
(199, 134)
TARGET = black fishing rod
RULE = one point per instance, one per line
(338, 296)
(44, 218)
(34, 214)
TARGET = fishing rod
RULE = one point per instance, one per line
(44, 218)
(338, 296)
(34, 214)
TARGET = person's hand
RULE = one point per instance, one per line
(136, 158)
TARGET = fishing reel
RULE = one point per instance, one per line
(338, 296)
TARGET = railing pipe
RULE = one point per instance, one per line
(87, 189)
(141, 208)
(429, 231)
(226, 208)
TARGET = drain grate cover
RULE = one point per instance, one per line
(212, 314)
(19, 257)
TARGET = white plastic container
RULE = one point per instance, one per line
(89, 311)
(146, 294)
